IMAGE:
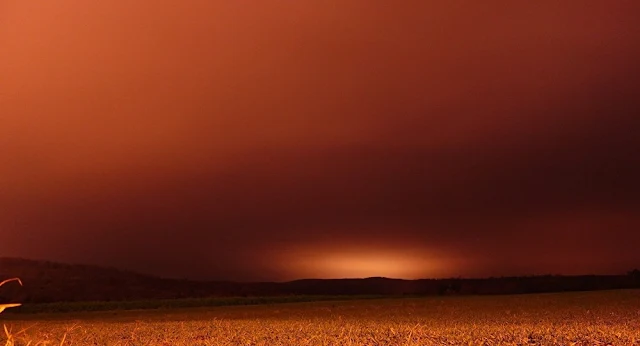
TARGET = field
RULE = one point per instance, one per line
(580, 318)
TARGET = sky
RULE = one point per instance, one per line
(279, 140)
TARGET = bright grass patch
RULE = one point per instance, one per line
(582, 318)
(9, 305)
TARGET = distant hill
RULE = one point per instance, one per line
(46, 281)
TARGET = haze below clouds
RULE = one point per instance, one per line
(282, 140)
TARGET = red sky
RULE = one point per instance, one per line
(289, 139)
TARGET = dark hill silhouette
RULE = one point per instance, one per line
(46, 281)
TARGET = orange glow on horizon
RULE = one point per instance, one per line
(328, 263)
(369, 265)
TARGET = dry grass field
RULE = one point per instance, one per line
(579, 318)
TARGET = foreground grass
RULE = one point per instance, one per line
(586, 318)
